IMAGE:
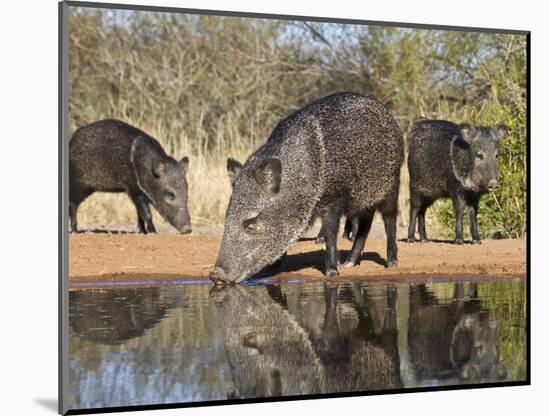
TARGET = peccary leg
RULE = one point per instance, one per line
(458, 205)
(363, 227)
(347, 229)
(351, 228)
(473, 222)
(390, 321)
(458, 291)
(145, 219)
(354, 228)
(422, 224)
(321, 236)
(73, 209)
(473, 290)
(458, 300)
(331, 223)
(391, 230)
(330, 326)
(412, 223)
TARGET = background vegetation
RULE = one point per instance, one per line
(212, 87)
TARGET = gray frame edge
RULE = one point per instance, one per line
(349, 21)
(63, 194)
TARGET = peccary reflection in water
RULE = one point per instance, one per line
(269, 353)
(278, 346)
(106, 316)
(458, 339)
(357, 339)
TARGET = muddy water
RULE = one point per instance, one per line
(183, 343)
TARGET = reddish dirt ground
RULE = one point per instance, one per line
(108, 257)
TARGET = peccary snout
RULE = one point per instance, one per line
(492, 186)
(218, 276)
(186, 229)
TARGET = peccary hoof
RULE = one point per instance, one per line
(349, 264)
(411, 240)
(391, 263)
(459, 241)
(476, 242)
(330, 272)
(320, 240)
(424, 240)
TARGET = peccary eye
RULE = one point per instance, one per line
(170, 196)
(250, 225)
(480, 156)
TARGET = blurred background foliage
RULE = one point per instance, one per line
(212, 87)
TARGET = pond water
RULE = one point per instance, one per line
(193, 342)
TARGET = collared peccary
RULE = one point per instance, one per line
(112, 156)
(338, 156)
(449, 160)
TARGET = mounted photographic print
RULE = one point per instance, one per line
(258, 207)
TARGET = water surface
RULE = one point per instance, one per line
(183, 343)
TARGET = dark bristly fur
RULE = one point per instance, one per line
(112, 156)
(449, 160)
(338, 156)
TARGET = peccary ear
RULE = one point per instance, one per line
(468, 132)
(233, 170)
(158, 168)
(500, 132)
(269, 175)
(184, 162)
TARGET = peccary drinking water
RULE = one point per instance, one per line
(112, 156)
(449, 160)
(338, 156)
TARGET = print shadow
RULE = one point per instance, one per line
(49, 404)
